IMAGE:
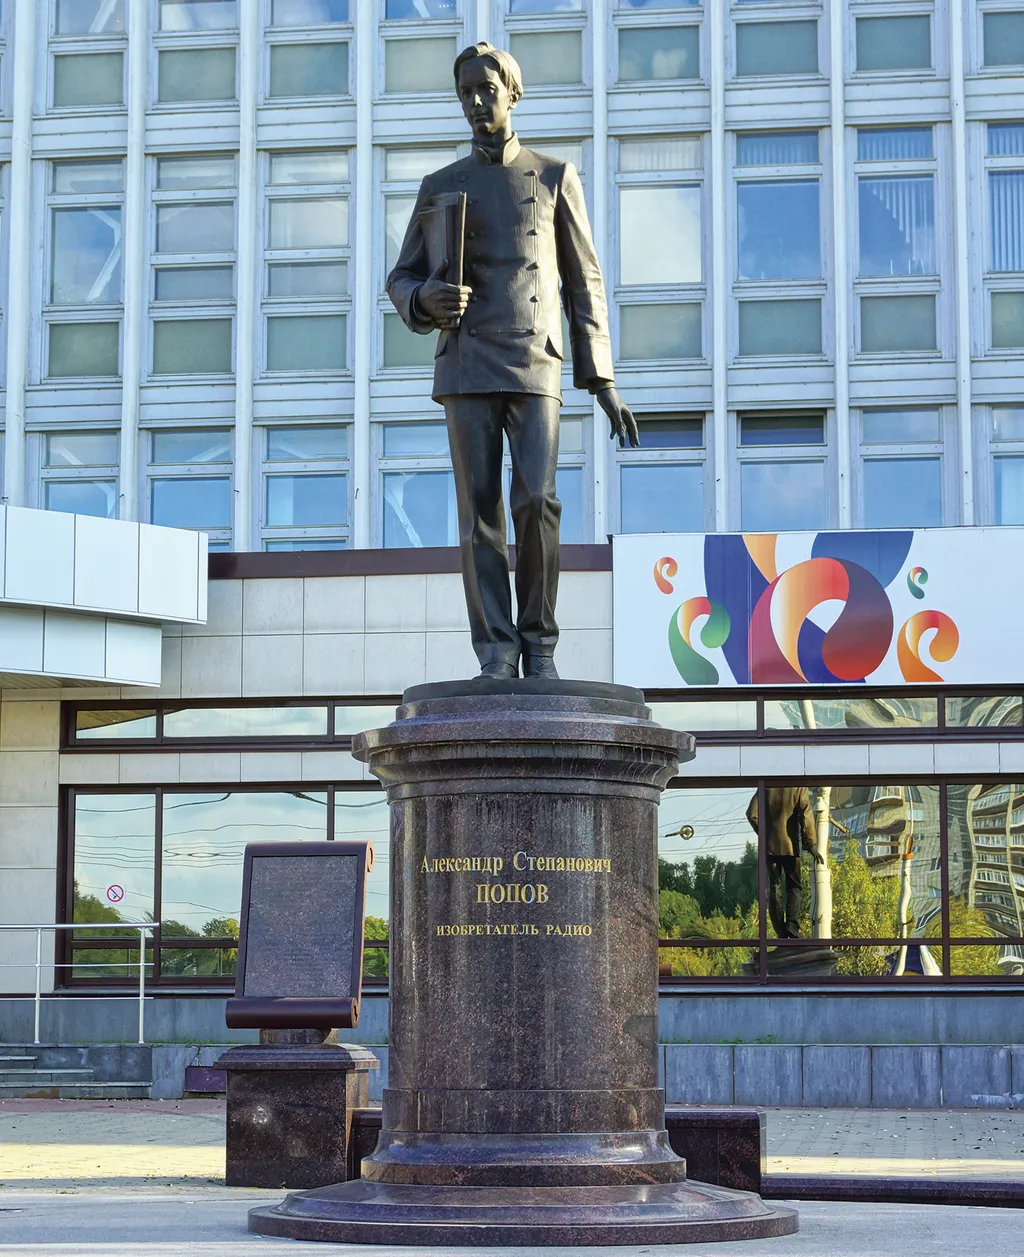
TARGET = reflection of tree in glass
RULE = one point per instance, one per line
(967, 922)
(863, 906)
(200, 961)
(375, 959)
(717, 899)
(116, 961)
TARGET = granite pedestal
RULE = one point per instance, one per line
(290, 1102)
(523, 1105)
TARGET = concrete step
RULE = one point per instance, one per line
(24, 1077)
(20, 1060)
(76, 1091)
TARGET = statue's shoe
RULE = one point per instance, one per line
(499, 671)
(540, 666)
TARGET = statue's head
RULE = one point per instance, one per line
(489, 84)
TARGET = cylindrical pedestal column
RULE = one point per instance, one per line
(523, 1103)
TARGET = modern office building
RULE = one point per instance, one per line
(810, 217)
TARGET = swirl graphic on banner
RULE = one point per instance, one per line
(694, 668)
(916, 577)
(943, 645)
(663, 568)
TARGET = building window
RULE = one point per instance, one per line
(305, 487)
(308, 12)
(304, 67)
(897, 270)
(78, 472)
(190, 481)
(414, 66)
(194, 66)
(1005, 254)
(660, 196)
(783, 465)
(661, 484)
(87, 40)
(420, 10)
(549, 58)
(778, 234)
(887, 44)
(307, 261)
(658, 53)
(766, 49)
(1002, 38)
(1006, 434)
(193, 265)
(901, 469)
(82, 302)
(403, 170)
(417, 487)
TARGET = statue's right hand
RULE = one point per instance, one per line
(442, 302)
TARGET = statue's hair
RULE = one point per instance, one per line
(506, 65)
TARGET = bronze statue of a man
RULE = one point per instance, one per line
(498, 365)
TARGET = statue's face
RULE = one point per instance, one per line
(486, 101)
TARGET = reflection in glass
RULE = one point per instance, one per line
(87, 176)
(893, 711)
(362, 814)
(986, 867)
(204, 839)
(198, 502)
(397, 212)
(186, 174)
(191, 445)
(544, 6)
(305, 501)
(782, 430)
(895, 143)
(777, 148)
(414, 164)
(309, 168)
(320, 223)
(81, 449)
(707, 879)
(705, 716)
(100, 724)
(245, 722)
(195, 228)
(415, 440)
(307, 342)
(198, 15)
(902, 492)
(781, 496)
(300, 444)
(308, 70)
(660, 153)
(419, 65)
(899, 427)
(416, 10)
(82, 497)
(353, 718)
(661, 497)
(309, 12)
(89, 17)
(779, 230)
(1009, 478)
(115, 836)
(307, 279)
(419, 509)
(659, 53)
(984, 711)
(569, 490)
(195, 74)
(897, 225)
(195, 283)
(86, 255)
(672, 217)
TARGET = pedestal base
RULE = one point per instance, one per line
(376, 1213)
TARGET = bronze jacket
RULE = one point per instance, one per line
(789, 823)
(526, 230)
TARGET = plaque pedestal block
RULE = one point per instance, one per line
(523, 1104)
(290, 1102)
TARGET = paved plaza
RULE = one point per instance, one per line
(145, 1179)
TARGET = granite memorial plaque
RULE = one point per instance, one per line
(300, 953)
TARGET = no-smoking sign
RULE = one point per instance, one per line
(115, 893)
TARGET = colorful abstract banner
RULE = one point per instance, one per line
(938, 605)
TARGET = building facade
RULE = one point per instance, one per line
(810, 217)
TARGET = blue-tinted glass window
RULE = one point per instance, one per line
(661, 497)
(779, 230)
(897, 225)
(1006, 139)
(777, 148)
(894, 144)
(1006, 193)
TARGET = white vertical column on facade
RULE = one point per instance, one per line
(134, 256)
(19, 293)
(840, 259)
(719, 288)
(599, 21)
(482, 22)
(363, 304)
(247, 294)
(961, 259)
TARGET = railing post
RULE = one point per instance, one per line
(39, 977)
(142, 983)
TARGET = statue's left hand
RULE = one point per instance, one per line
(620, 416)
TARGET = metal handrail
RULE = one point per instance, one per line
(143, 928)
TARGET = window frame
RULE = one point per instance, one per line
(701, 455)
(220, 538)
(823, 453)
(269, 468)
(944, 449)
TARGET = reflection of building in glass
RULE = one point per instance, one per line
(986, 858)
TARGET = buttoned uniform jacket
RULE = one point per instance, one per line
(526, 230)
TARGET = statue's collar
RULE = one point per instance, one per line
(504, 156)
